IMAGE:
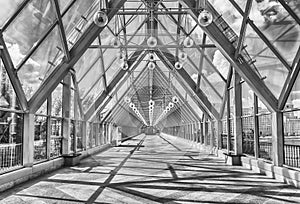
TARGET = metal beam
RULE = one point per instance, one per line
(86, 39)
(147, 47)
(200, 68)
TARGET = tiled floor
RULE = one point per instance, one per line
(158, 170)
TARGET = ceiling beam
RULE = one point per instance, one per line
(85, 40)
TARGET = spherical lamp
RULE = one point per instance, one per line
(188, 42)
(205, 18)
(115, 42)
(152, 41)
(100, 18)
(178, 65)
(151, 65)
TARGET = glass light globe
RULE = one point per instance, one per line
(174, 99)
(151, 65)
(171, 105)
(167, 108)
(121, 55)
(178, 65)
(152, 41)
(188, 42)
(205, 18)
(115, 42)
(127, 99)
(124, 65)
(100, 18)
(151, 57)
(131, 105)
(151, 103)
(182, 56)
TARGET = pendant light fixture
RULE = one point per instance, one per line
(151, 65)
(182, 56)
(115, 41)
(188, 41)
(205, 17)
(152, 41)
(100, 18)
(178, 65)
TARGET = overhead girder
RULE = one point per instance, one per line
(240, 64)
(85, 40)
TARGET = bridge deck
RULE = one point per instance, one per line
(152, 169)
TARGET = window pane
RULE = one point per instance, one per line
(40, 138)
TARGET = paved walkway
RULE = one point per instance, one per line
(152, 169)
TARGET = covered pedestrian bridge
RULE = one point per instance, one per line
(141, 101)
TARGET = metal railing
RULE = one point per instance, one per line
(10, 156)
(292, 155)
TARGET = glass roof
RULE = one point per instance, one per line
(40, 38)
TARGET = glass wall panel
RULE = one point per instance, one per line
(41, 63)
(278, 26)
(77, 19)
(7, 8)
(56, 137)
(266, 62)
(293, 101)
(265, 136)
(28, 27)
(57, 101)
(79, 135)
(8, 98)
(229, 14)
(72, 136)
(291, 121)
(40, 138)
(11, 140)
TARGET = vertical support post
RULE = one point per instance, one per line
(219, 134)
(238, 128)
(212, 134)
(76, 124)
(66, 104)
(28, 142)
(97, 136)
(277, 138)
(228, 122)
(85, 133)
(256, 128)
(48, 140)
(201, 132)
(205, 128)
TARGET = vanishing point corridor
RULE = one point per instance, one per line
(152, 169)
